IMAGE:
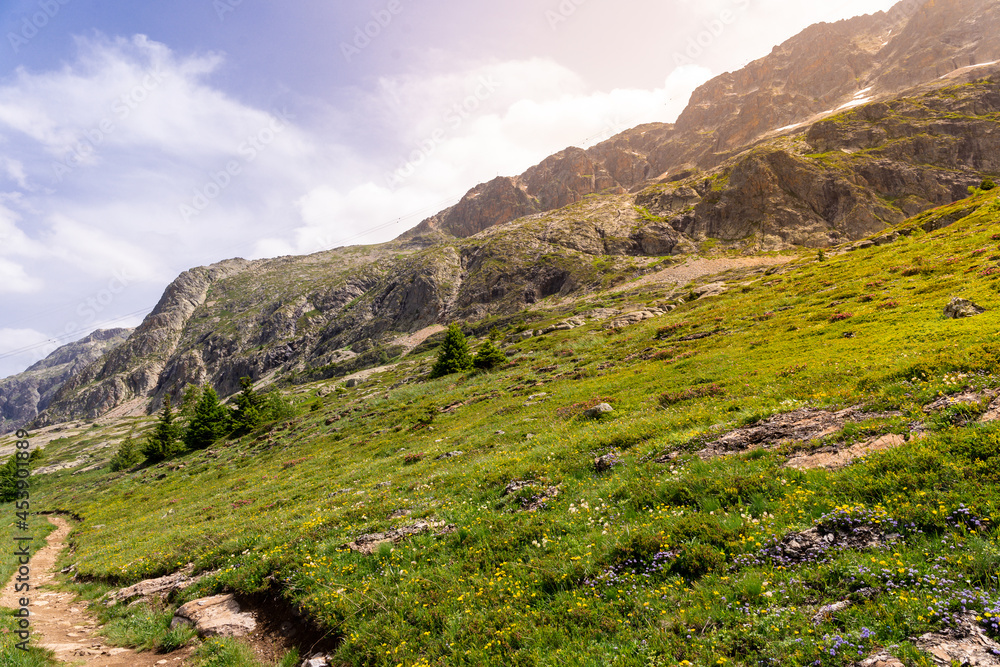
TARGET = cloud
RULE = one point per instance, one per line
(14, 279)
(19, 348)
(498, 118)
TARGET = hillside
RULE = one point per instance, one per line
(800, 466)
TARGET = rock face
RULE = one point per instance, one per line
(825, 69)
(218, 616)
(24, 395)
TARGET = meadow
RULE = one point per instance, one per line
(661, 556)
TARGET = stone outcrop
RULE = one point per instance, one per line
(160, 587)
(961, 308)
(217, 616)
(370, 544)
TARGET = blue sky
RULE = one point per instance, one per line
(140, 139)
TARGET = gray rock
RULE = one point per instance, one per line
(449, 455)
(712, 289)
(959, 308)
(966, 644)
(316, 661)
(160, 587)
(370, 543)
(599, 411)
(826, 613)
(217, 616)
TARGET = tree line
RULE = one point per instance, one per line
(209, 420)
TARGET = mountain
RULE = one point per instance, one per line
(840, 132)
(24, 395)
(824, 69)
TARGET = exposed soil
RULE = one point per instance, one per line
(61, 623)
(695, 268)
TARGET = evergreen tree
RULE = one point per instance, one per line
(987, 185)
(164, 442)
(192, 396)
(453, 355)
(8, 476)
(489, 357)
(127, 456)
(210, 421)
(249, 414)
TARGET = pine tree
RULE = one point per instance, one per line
(453, 355)
(249, 412)
(489, 357)
(127, 456)
(164, 442)
(211, 421)
(9, 477)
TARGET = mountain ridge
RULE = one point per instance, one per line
(582, 218)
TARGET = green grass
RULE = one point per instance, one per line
(647, 563)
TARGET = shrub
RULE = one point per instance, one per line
(489, 357)
(840, 317)
(127, 456)
(697, 560)
(987, 185)
(453, 355)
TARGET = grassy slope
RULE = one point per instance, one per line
(579, 581)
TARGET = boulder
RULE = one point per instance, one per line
(959, 308)
(599, 411)
(217, 616)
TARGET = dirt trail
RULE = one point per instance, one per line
(61, 624)
(696, 267)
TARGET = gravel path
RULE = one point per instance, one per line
(61, 623)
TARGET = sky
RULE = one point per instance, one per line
(140, 139)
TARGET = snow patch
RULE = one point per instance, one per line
(853, 103)
(968, 67)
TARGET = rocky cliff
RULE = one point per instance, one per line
(24, 395)
(830, 138)
(823, 70)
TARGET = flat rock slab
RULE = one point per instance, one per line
(834, 458)
(803, 425)
(216, 616)
(967, 645)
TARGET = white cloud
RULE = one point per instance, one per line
(14, 279)
(496, 119)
